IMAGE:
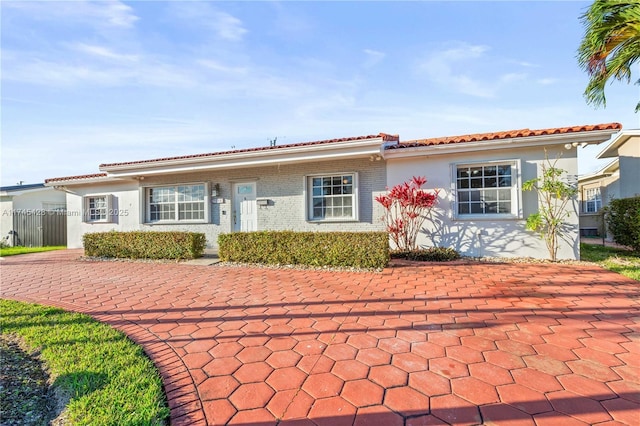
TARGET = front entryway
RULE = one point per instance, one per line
(245, 218)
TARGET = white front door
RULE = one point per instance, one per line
(245, 218)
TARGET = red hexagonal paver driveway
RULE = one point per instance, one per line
(457, 343)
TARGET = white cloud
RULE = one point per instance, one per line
(103, 52)
(464, 52)
(373, 57)
(321, 106)
(111, 13)
(73, 72)
(119, 14)
(526, 64)
(204, 15)
(547, 81)
(470, 86)
(459, 68)
(290, 23)
(261, 84)
(513, 77)
(444, 68)
(228, 26)
(216, 66)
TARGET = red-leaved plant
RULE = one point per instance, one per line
(406, 208)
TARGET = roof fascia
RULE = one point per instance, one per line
(89, 181)
(15, 193)
(621, 138)
(607, 170)
(592, 137)
(339, 150)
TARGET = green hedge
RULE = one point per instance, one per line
(623, 221)
(431, 254)
(343, 249)
(145, 245)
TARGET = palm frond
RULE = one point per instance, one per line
(610, 46)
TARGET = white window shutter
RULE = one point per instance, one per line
(109, 203)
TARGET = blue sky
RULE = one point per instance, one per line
(85, 83)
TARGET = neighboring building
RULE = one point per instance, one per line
(331, 186)
(626, 148)
(30, 200)
(594, 192)
(618, 179)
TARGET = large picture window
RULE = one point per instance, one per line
(487, 189)
(592, 200)
(332, 197)
(180, 203)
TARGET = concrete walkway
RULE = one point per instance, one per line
(464, 343)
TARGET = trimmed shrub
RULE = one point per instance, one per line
(144, 245)
(342, 249)
(623, 220)
(431, 254)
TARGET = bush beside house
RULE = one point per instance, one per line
(623, 221)
(341, 249)
(430, 254)
(145, 245)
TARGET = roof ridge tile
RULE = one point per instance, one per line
(385, 137)
(517, 133)
(78, 177)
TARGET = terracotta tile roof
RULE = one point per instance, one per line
(79, 177)
(385, 137)
(522, 133)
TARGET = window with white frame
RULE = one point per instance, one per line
(487, 190)
(332, 197)
(97, 208)
(179, 203)
(592, 200)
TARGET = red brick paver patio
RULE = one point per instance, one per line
(506, 344)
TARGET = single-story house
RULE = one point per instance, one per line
(331, 185)
(327, 185)
(618, 179)
(22, 203)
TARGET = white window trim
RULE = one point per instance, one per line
(308, 198)
(516, 191)
(596, 201)
(147, 207)
(109, 208)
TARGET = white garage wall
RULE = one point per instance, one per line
(125, 209)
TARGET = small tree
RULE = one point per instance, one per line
(553, 194)
(406, 208)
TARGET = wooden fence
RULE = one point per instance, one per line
(39, 228)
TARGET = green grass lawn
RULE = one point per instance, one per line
(624, 262)
(108, 378)
(12, 251)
